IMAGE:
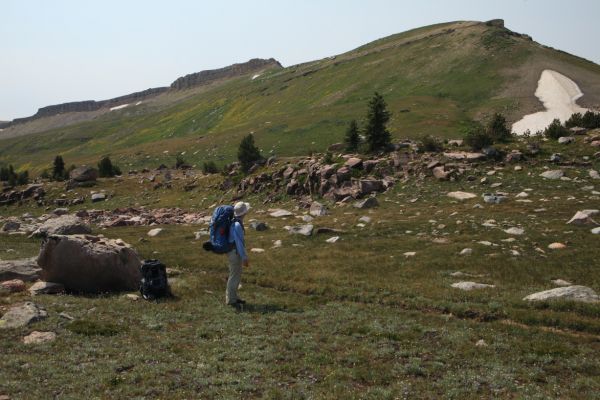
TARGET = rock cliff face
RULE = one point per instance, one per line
(185, 82)
(204, 77)
(90, 105)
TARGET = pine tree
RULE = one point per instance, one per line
(378, 137)
(248, 153)
(497, 128)
(106, 169)
(58, 171)
(352, 138)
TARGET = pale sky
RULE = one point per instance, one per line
(69, 50)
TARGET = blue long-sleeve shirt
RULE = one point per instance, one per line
(236, 235)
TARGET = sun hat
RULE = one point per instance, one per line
(241, 208)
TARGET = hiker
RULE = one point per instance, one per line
(237, 256)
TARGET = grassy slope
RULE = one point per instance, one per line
(443, 77)
(322, 324)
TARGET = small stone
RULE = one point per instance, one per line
(131, 296)
(259, 226)
(410, 254)
(277, 243)
(365, 219)
(481, 343)
(553, 174)
(596, 231)
(280, 213)
(257, 250)
(584, 218)
(594, 174)
(461, 195)
(154, 232)
(36, 337)
(566, 140)
(471, 286)
(96, 197)
(304, 230)
(42, 287)
(318, 210)
(515, 231)
(557, 246)
(333, 239)
(466, 252)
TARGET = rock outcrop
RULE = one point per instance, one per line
(26, 269)
(90, 264)
(208, 76)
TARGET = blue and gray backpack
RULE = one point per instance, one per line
(220, 224)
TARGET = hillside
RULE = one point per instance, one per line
(435, 80)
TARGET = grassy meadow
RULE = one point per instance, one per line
(356, 319)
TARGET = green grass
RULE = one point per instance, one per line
(355, 319)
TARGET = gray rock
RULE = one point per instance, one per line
(461, 195)
(42, 287)
(466, 252)
(84, 174)
(318, 210)
(561, 282)
(370, 202)
(22, 315)
(471, 286)
(596, 231)
(36, 337)
(154, 232)
(304, 230)
(63, 225)
(553, 174)
(11, 226)
(584, 218)
(280, 213)
(96, 197)
(25, 269)
(91, 264)
(494, 198)
(594, 174)
(60, 211)
(259, 226)
(515, 231)
(566, 139)
(571, 293)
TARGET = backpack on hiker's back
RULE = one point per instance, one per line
(220, 224)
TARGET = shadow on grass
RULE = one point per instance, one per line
(268, 309)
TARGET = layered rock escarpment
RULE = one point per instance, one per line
(208, 76)
(184, 82)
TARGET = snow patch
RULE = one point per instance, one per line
(119, 107)
(138, 103)
(255, 76)
(559, 94)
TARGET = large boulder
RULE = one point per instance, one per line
(63, 225)
(84, 174)
(571, 293)
(85, 263)
(25, 269)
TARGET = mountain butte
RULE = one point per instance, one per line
(435, 79)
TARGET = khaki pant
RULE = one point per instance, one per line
(235, 276)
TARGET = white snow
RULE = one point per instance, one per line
(119, 107)
(138, 103)
(255, 76)
(559, 95)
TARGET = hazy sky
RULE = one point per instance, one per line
(57, 51)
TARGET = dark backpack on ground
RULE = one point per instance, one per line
(220, 224)
(154, 282)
